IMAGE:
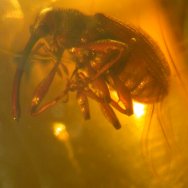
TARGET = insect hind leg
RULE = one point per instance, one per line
(124, 97)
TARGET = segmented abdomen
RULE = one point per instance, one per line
(145, 76)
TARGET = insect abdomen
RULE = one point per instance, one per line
(145, 71)
(147, 82)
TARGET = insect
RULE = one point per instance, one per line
(109, 57)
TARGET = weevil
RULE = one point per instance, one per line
(109, 57)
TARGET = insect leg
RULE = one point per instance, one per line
(83, 104)
(110, 115)
(50, 104)
(100, 88)
(124, 96)
(63, 96)
(107, 47)
(99, 85)
(105, 107)
(43, 88)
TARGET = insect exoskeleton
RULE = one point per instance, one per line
(109, 56)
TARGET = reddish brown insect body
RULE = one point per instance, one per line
(109, 56)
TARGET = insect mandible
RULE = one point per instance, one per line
(109, 57)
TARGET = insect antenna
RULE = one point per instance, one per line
(162, 157)
(152, 143)
(172, 60)
(163, 126)
(167, 129)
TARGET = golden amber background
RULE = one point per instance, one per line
(58, 148)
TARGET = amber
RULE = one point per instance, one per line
(58, 148)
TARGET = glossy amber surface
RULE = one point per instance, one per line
(58, 148)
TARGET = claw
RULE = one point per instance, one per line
(51, 103)
(110, 115)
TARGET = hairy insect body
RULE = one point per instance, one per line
(144, 71)
(108, 55)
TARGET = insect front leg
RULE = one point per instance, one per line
(44, 85)
(63, 96)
